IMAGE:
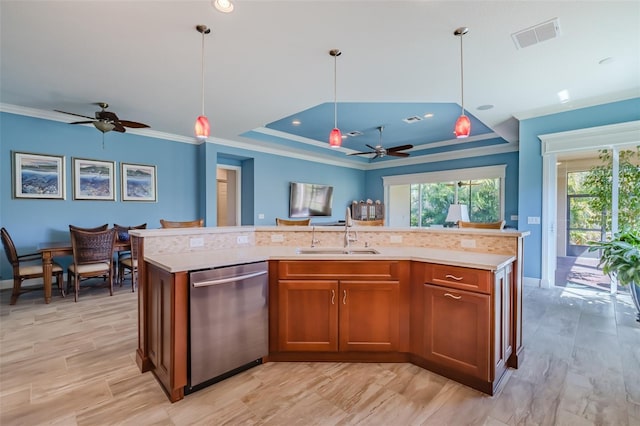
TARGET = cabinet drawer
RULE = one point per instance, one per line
(458, 277)
(378, 270)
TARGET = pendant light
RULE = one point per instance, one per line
(463, 124)
(335, 137)
(202, 127)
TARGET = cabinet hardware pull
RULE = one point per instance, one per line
(344, 297)
(452, 296)
(453, 277)
(333, 297)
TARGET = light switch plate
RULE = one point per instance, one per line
(277, 238)
(468, 243)
(196, 242)
(243, 239)
(533, 220)
(395, 239)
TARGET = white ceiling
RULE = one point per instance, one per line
(269, 59)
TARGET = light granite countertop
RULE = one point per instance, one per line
(206, 259)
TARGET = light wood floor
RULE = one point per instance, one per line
(73, 363)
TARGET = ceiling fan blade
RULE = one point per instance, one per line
(107, 116)
(397, 154)
(399, 148)
(119, 127)
(361, 153)
(73, 113)
(82, 122)
(372, 147)
(133, 124)
(375, 156)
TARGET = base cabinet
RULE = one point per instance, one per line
(357, 310)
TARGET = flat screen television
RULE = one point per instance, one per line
(310, 199)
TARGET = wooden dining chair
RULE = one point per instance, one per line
(92, 257)
(376, 222)
(293, 222)
(198, 223)
(26, 266)
(130, 264)
(122, 237)
(482, 225)
(97, 228)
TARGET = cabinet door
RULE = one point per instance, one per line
(369, 315)
(457, 330)
(308, 315)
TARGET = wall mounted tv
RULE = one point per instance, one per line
(310, 199)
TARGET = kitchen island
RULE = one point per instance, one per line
(455, 312)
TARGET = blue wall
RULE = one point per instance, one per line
(530, 183)
(375, 190)
(186, 184)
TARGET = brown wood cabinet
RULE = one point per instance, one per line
(462, 322)
(356, 307)
(166, 317)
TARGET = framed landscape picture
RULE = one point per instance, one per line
(138, 182)
(93, 180)
(38, 176)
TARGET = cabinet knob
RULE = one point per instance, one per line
(453, 296)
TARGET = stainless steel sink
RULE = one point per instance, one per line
(321, 250)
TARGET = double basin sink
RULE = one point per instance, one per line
(331, 251)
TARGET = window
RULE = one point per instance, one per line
(428, 195)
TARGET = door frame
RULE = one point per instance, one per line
(238, 182)
(614, 137)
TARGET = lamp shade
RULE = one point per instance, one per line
(335, 138)
(457, 212)
(463, 127)
(202, 127)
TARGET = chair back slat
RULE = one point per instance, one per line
(198, 223)
(92, 247)
(97, 228)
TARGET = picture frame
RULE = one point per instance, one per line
(138, 182)
(93, 180)
(39, 176)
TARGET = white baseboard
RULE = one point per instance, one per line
(532, 282)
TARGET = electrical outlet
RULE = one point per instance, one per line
(533, 220)
(260, 215)
(468, 243)
(514, 217)
(395, 239)
(196, 242)
(243, 239)
(277, 238)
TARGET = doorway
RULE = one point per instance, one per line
(228, 180)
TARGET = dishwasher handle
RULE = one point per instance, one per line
(208, 283)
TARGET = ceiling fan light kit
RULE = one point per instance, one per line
(106, 121)
(335, 137)
(462, 128)
(202, 126)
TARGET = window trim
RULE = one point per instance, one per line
(487, 172)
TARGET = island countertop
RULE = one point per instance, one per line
(205, 259)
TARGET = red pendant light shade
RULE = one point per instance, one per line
(335, 138)
(202, 127)
(463, 127)
(463, 124)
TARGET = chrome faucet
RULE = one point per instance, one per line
(314, 241)
(348, 238)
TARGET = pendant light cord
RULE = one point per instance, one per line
(462, 73)
(335, 91)
(202, 72)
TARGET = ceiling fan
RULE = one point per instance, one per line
(106, 121)
(380, 151)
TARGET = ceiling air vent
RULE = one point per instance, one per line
(413, 119)
(537, 34)
(354, 133)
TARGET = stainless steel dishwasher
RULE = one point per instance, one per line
(228, 322)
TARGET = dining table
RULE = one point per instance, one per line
(52, 249)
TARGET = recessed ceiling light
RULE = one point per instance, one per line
(296, 122)
(428, 115)
(484, 107)
(224, 6)
(563, 95)
(606, 60)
